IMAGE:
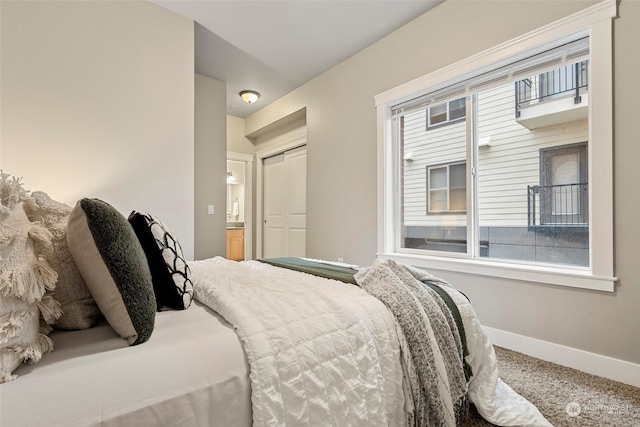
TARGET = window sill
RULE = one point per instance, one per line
(574, 278)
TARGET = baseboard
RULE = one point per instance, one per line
(592, 363)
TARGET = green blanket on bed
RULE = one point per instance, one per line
(320, 269)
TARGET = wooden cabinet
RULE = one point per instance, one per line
(235, 244)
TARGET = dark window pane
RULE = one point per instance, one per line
(458, 175)
(457, 109)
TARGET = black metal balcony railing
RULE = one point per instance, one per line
(564, 81)
(558, 206)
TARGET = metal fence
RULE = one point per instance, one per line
(561, 82)
(558, 206)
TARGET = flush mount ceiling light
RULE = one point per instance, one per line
(249, 96)
(230, 178)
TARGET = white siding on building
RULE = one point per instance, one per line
(505, 167)
(441, 145)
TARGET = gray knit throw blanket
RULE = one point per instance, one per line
(429, 340)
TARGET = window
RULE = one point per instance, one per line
(447, 188)
(492, 213)
(447, 112)
(506, 178)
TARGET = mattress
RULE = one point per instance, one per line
(191, 372)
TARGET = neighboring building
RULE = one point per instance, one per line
(532, 175)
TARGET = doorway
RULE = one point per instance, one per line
(239, 208)
(564, 196)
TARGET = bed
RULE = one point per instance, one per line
(165, 342)
(194, 369)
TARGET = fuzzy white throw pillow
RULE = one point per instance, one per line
(25, 280)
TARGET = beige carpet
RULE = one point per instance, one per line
(565, 396)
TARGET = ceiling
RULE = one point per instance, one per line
(274, 47)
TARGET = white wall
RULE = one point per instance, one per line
(341, 141)
(98, 101)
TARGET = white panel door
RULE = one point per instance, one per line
(285, 204)
(296, 165)
(274, 213)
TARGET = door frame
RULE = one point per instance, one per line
(260, 156)
(247, 159)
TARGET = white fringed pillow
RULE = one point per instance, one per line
(25, 280)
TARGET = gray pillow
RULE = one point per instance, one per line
(111, 260)
(79, 310)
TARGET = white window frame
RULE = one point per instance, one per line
(594, 21)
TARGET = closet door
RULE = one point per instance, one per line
(285, 204)
(296, 202)
(273, 205)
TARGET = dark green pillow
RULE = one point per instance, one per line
(112, 263)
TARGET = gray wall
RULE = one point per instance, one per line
(97, 101)
(210, 167)
(341, 134)
(236, 141)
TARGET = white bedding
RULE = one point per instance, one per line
(320, 352)
(247, 293)
(191, 372)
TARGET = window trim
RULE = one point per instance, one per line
(595, 21)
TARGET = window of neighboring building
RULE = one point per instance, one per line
(447, 188)
(447, 112)
(524, 205)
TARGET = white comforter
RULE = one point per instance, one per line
(323, 352)
(320, 352)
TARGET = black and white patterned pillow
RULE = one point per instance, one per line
(169, 270)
